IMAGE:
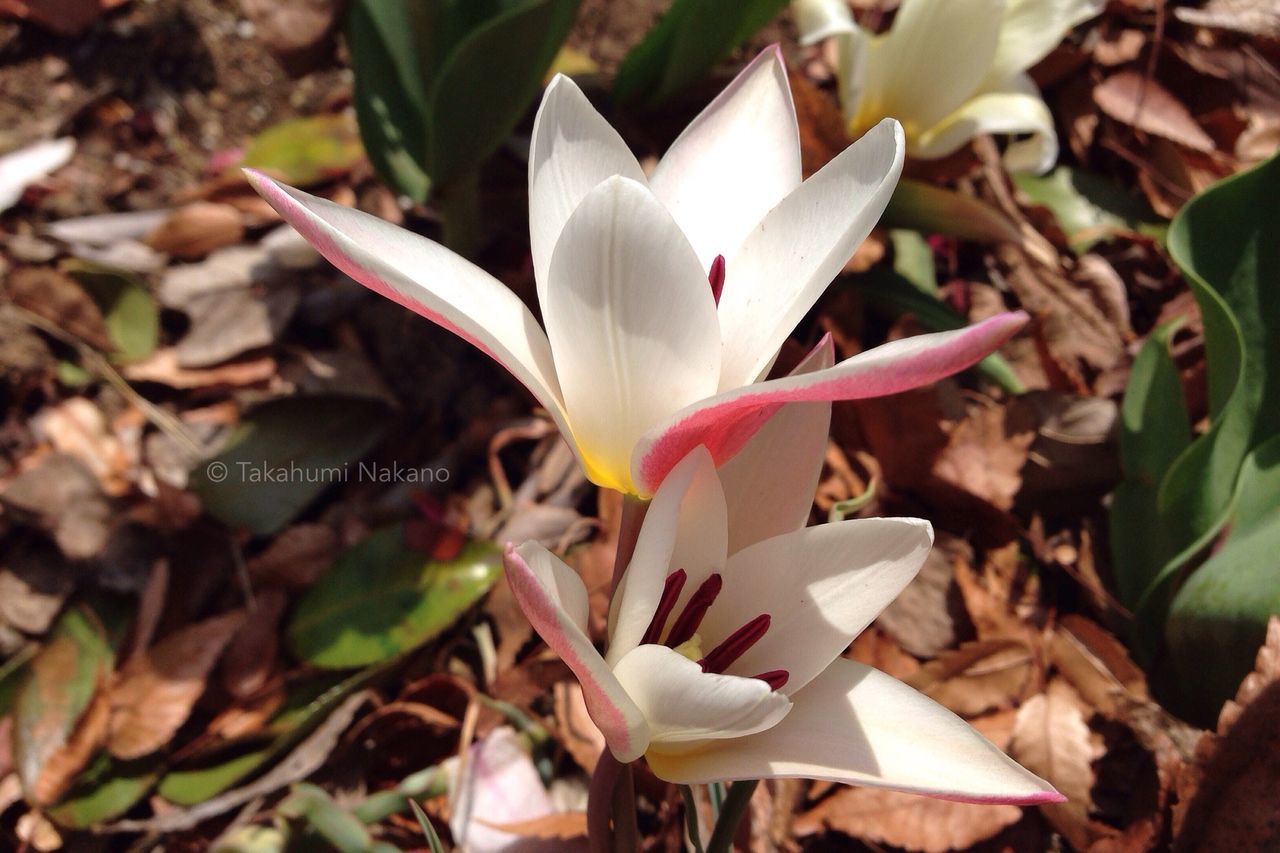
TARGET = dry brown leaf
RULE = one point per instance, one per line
(1052, 739)
(194, 230)
(57, 298)
(822, 127)
(977, 677)
(1097, 665)
(1227, 796)
(162, 367)
(922, 617)
(911, 821)
(251, 655)
(294, 30)
(78, 428)
(874, 648)
(1129, 97)
(1243, 16)
(67, 17)
(157, 689)
(577, 731)
(985, 452)
(296, 557)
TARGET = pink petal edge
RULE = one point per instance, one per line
(543, 615)
(725, 423)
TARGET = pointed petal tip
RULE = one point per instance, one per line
(1035, 798)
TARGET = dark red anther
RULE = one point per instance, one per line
(775, 678)
(670, 592)
(716, 277)
(722, 656)
(691, 617)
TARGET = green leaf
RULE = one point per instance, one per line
(1219, 616)
(933, 210)
(1155, 430)
(428, 831)
(487, 82)
(63, 680)
(1089, 209)
(187, 786)
(283, 454)
(913, 260)
(690, 39)
(305, 151)
(130, 314)
(390, 94)
(382, 598)
(891, 292)
(333, 823)
(108, 789)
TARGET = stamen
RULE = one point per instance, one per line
(775, 678)
(722, 656)
(691, 617)
(670, 592)
(716, 277)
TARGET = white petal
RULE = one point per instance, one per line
(1016, 107)
(855, 724)
(786, 262)
(571, 151)
(738, 159)
(934, 57)
(1032, 28)
(821, 586)
(553, 599)
(19, 169)
(770, 483)
(632, 324)
(499, 785)
(684, 528)
(685, 705)
(820, 19)
(427, 279)
(726, 421)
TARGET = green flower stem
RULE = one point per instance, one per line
(735, 806)
(600, 802)
(460, 207)
(691, 818)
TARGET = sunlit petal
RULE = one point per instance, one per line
(1015, 108)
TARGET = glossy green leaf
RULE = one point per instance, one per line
(129, 312)
(382, 598)
(913, 260)
(1089, 209)
(189, 785)
(108, 789)
(305, 151)
(489, 80)
(689, 40)
(1155, 430)
(933, 210)
(62, 681)
(283, 454)
(1219, 616)
(1224, 240)
(389, 91)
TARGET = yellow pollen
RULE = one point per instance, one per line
(691, 648)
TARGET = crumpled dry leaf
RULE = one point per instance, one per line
(914, 822)
(1129, 97)
(194, 230)
(157, 688)
(78, 428)
(162, 366)
(66, 17)
(63, 498)
(985, 452)
(923, 616)
(1242, 16)
(1227, 796)
(35, 580)
(1052, 739)
(294, 30)
(577, 731)
(1097, 665)
(57, 298)
(977, 677)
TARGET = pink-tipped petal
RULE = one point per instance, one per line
(735, 161)
(788, 260)
(770, 483)
(857, 725)
(684, 528)
(725, 422)
(572, 150)
(632, 325)
(427, 279)
(554, 601)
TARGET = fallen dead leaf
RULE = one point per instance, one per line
(157, 689)
(250, 657)
(576, 729)
(1129, 97)
(67, 17)
(162, 366)
(296, 557)
(977, 677)
(1097, 665)
(57, 298)
(985, 452)
(294, 30)
(1052, 739)
(194, 230)
(923, 616)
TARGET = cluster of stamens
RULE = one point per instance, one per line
(686, 627)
